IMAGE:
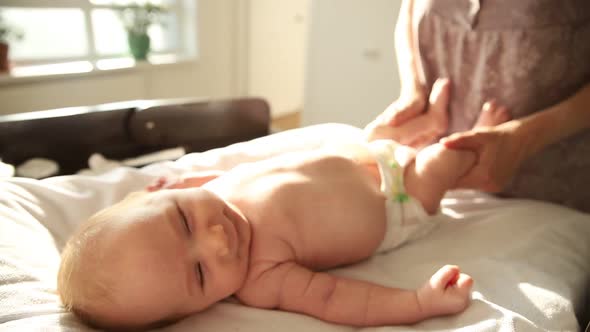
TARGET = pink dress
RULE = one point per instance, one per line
(526, 54)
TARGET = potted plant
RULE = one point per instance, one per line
(7, 33)
(137, 18)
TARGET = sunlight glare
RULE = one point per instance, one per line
(547, 301)
(53, 69)
(118, 63)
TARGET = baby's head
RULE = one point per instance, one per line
(154, 257)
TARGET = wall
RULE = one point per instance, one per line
(258, 47)
(276, 52)
(351, 71)
(213, 74)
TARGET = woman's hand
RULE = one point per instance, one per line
(412, 104)
(500, 151)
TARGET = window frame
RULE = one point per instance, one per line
(92, 56)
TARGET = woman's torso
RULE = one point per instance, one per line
(527, 55)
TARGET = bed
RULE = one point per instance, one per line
(530, 260)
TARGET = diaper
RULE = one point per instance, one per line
(406, 218)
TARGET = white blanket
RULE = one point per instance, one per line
(530, 260)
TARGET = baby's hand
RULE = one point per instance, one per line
(447, 292)
(163, 182)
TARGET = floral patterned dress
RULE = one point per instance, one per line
(527, 55)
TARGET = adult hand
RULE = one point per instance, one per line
(412, 103)
(500, 151)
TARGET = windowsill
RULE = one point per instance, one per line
(36, 74)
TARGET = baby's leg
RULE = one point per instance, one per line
(435, 170)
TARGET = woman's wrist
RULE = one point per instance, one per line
(555, 123)
(523, 135)
(532, 133)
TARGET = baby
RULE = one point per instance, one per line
(265, 232)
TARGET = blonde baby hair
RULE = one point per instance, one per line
(83, 285)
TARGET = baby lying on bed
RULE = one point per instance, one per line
(263, 232)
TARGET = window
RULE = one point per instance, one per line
(78, 31)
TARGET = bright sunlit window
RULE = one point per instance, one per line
(58, 32)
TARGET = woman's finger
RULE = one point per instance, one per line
(440, 95)
(399, 112)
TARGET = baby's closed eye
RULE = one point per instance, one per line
(184, 219)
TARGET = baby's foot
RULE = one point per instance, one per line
(491, 115)
(447, 292)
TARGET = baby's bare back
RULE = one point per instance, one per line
(318, 210)
(310, 212)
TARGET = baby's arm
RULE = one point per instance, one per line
(188, 180)
(292, 287)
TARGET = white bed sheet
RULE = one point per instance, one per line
(530, 260)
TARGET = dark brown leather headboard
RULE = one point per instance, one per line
(123, 130)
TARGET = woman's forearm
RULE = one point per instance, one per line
(405, 46)
(557, 122)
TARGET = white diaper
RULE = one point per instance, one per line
(406, 218)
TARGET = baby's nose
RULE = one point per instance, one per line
(218, 241)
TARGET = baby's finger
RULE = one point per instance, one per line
(444, 276)
(157, 185)
(464, 281)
